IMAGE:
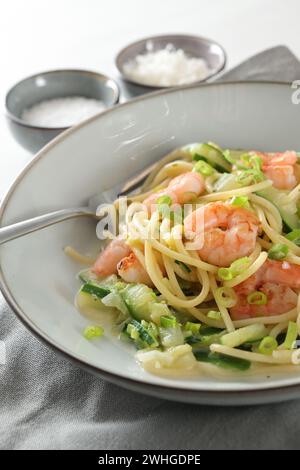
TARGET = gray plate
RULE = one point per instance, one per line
(93, 157)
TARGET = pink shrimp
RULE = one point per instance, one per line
(118, 258)
(275, 279)
(280, 168)
(223, 232)
(279, 158)
(109, 258)
(131, 270)
(181, 189)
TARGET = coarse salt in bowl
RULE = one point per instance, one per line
(62, 112)
(166, 67)
(170, 60)
(40, 107)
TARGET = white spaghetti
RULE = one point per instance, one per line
(206, 264)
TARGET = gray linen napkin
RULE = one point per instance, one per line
(275, 64)
(47, 402)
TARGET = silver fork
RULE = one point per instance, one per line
(18, 229)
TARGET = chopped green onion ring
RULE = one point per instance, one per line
(256, 162)
(203, 168)
(163, 206)
(165, 199)
(194, 328)
(225, 274)
(240, 201)
(245, 178)
(248, 177)
(245, 159)
(267, 345)
(257, 298)
(226, 296)
(240, 265)
(214, 315)
(93, 331)
(236, 268)
(168, 321)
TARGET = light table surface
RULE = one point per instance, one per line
(37, 36)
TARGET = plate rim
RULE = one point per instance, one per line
(229, 397)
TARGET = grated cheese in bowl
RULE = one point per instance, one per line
(166, 67)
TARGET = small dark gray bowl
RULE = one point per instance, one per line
(49, 85)
(194, 46)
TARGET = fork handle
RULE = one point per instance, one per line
(10, 232)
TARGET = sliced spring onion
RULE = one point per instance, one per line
(236, 267)
(240, 201)
(256, 162)
(239, 265)
(278, 251)
(243, 335)
(214, 315)
(194, 328)
(226, 296)
(245, 159)
(225, 274)
(249, 162)
(164, 200)
(163, 204)
(153, 329)
(93, 331)
(267, 345)
(184, 266)
(168, 321)
(133, 331)
(203, 168)
(257, 298)
(294, 236)
(220, 360)
(247, 177)
(291, 336)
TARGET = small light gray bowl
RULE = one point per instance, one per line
(49, 85)
(194, 46)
